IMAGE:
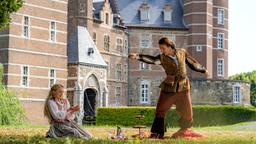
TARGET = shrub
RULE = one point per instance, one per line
(203, 115)
(11, 111)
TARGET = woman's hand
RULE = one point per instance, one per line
(74, 108)
(133, 55)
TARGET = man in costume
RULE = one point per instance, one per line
(175, 89)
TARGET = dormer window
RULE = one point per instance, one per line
(144, 12)
(117, 19)
(168, 13)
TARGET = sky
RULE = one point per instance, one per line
(242, 30)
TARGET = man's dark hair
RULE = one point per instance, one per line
(166, 41)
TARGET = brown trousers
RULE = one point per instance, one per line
(182, 100)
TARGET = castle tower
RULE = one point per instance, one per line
(198, 17)
(220, 39)
(207, 37)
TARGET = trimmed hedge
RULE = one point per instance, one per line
(203, 116)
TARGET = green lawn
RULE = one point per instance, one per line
(242, 133)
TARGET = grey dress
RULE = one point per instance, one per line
(63, 123)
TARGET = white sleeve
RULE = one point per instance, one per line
(70, 115)
(55, 112)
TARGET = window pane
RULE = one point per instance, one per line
(220, 16)
(145, 40)
(25, 81)
(220, 40)
(26, 20)
(167, 16)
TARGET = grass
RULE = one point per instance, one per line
(242, 133)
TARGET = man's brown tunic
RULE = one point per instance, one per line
(175, 89)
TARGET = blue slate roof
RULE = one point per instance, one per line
(129, 11)
(97, 6)
(81, 49)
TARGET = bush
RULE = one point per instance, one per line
(1, 73)
(11, 111)
(203, 116)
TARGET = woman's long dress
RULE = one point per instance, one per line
(63, 123)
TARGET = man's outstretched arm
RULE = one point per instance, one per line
(146, 58)
(194, 65)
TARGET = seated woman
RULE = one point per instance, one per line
(61, 116)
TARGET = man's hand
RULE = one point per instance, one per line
(206, 73)
(133, 55)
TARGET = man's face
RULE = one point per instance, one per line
(164, 49)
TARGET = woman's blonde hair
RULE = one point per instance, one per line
(54, 88)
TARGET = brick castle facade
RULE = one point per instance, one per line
(84, 45)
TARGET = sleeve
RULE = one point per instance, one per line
(193, 64)
(55, 112)
(70, 114)
(149, 59)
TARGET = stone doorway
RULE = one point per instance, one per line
(89, 106)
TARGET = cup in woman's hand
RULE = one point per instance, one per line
(75, 108)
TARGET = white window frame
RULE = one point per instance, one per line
(107, 49)
(199, 48)
(126, 45)
(26, 76)
(53, 31)
(119, 72)
(145, 92)
(26, 27)
(119, 45)
(144, 66)
(117, 95)
(145, 40)
(144, 15)
(220, 67)
(82, 7)
(237, 95)
(220, 16)
(167, 16)
(52, 77)
(125, 77)
(220, 40)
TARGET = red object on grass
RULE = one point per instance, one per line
(187, 134)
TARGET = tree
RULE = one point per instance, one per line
(248, 77)
(7, 7)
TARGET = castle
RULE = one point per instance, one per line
(84, 45)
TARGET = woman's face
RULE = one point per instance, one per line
(58, 93)
(165, 49)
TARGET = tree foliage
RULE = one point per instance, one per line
(6, 8)
(248, 77)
